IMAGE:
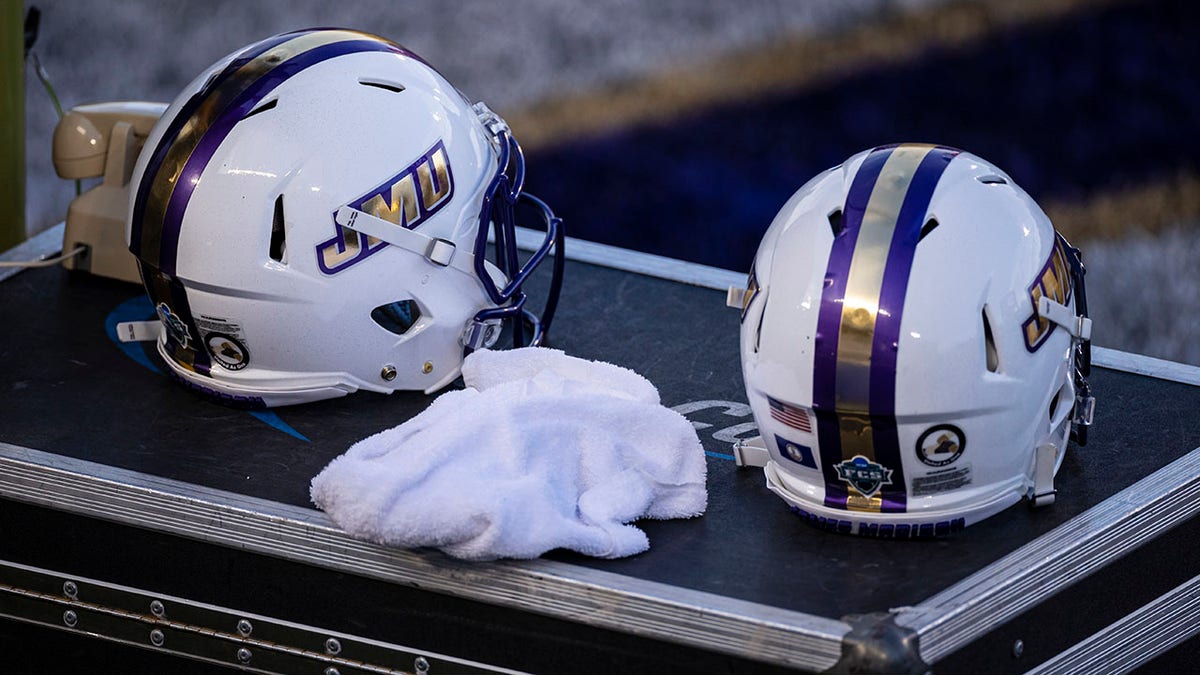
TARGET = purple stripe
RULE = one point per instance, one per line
(829, 321)
(897, 270)
(169, 290)
(200, 360)
(222, 126)
(181, 118)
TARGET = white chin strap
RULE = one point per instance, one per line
(751, 452)
(1080, 327)
(1043, 492)
(439, 252)
(139, 331)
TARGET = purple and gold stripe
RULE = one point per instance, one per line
(191, 354)
(858, 325)
(206, 120)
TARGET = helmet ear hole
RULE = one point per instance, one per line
(991, 355)
(397, 317)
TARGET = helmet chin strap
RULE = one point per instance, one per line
(479, 333)
(439, 252)
(1045, 459)
(751, 452)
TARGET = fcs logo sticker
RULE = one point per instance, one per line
(177, 329)
(1054, 282)
(864, 475)
(407, 199)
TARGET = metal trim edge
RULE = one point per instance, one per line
(582, 595)
(1135, 639)
(115, 612)
(1049, 564)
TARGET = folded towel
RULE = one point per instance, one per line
(540, 451)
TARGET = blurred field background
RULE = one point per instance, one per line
(679, 127)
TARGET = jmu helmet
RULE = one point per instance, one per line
(311, 217)
(914, 345)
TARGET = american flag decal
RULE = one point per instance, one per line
(796, 418)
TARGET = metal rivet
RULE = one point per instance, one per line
(332, 671)
(157, 638)
(243, 655)
(70, 619)
(70, 589)
(427, 368)
(388, 373)
(1018, 649)
(244, 628)
(421, 665)
(157, 609)
(332, 646)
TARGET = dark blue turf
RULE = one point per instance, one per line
(1073, 108)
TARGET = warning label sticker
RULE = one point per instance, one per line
(941, 481)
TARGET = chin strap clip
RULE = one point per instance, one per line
(494, 123)
(1085, 407)
(751, 452)
(1080, 327)
(481, 334)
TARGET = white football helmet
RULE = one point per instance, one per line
(914, 343)
(311, 218)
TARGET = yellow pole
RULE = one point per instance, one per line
(12, 123)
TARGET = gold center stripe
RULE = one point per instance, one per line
(860, 307)
(202, 120)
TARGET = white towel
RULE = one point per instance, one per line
(540, 451)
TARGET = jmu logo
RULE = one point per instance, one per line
(407, 199)
(864, 475)
(1054, 282)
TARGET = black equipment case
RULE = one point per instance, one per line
(140, 523)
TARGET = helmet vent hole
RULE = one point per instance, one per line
(835, 222)
(262, 108)
(1061, 404)
(992, 179)
(397, 317)
(992, 356)
(394, 87)
(930, 226)
(278, 250)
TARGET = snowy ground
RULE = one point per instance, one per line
(1145, 291)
